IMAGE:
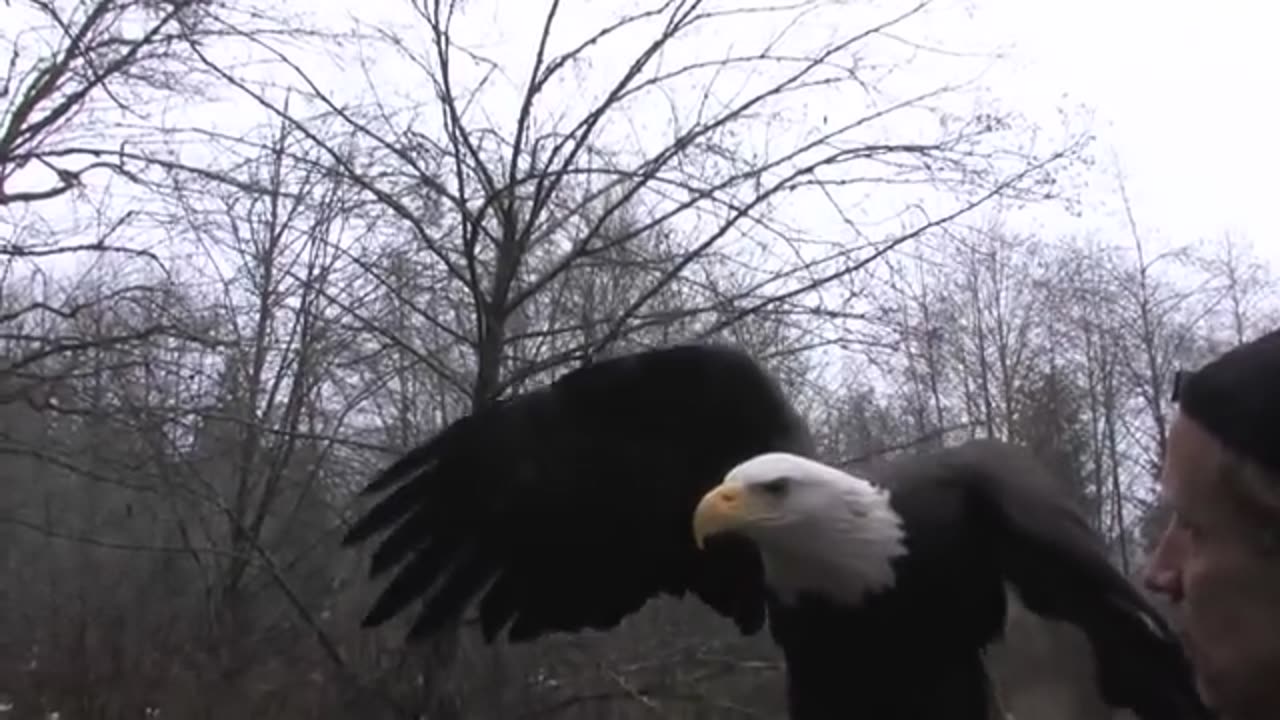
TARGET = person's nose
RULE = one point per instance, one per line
(1163, 581)
(1162, 574)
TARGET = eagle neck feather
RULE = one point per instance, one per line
(852, 555)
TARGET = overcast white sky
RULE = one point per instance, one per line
(1185, 92)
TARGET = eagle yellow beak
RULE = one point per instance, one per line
(725, 508)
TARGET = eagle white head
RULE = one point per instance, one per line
(819, 530)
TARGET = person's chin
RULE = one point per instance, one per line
(1207, 684)
(1205, 688)
(1218, 694)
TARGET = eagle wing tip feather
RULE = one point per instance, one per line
(554, 403)
(351, 538)
(359, 531)
(1066, 535)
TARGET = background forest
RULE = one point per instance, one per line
(232, 286)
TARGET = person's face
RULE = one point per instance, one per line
(1227, 592)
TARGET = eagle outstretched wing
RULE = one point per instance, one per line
(569, 506)
(1060, 569)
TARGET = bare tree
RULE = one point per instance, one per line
(350, 275)
(510, 247)
(79, 75)
(516, 206)
(79, 69)
(1245, 283)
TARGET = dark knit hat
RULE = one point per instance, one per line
(1236, 397)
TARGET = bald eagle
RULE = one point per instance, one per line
(685, 470)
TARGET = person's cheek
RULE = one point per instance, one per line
(1218, 621)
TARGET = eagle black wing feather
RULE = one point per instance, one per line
(570, 506)
(1059, 567)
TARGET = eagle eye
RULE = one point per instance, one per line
(776, 487)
